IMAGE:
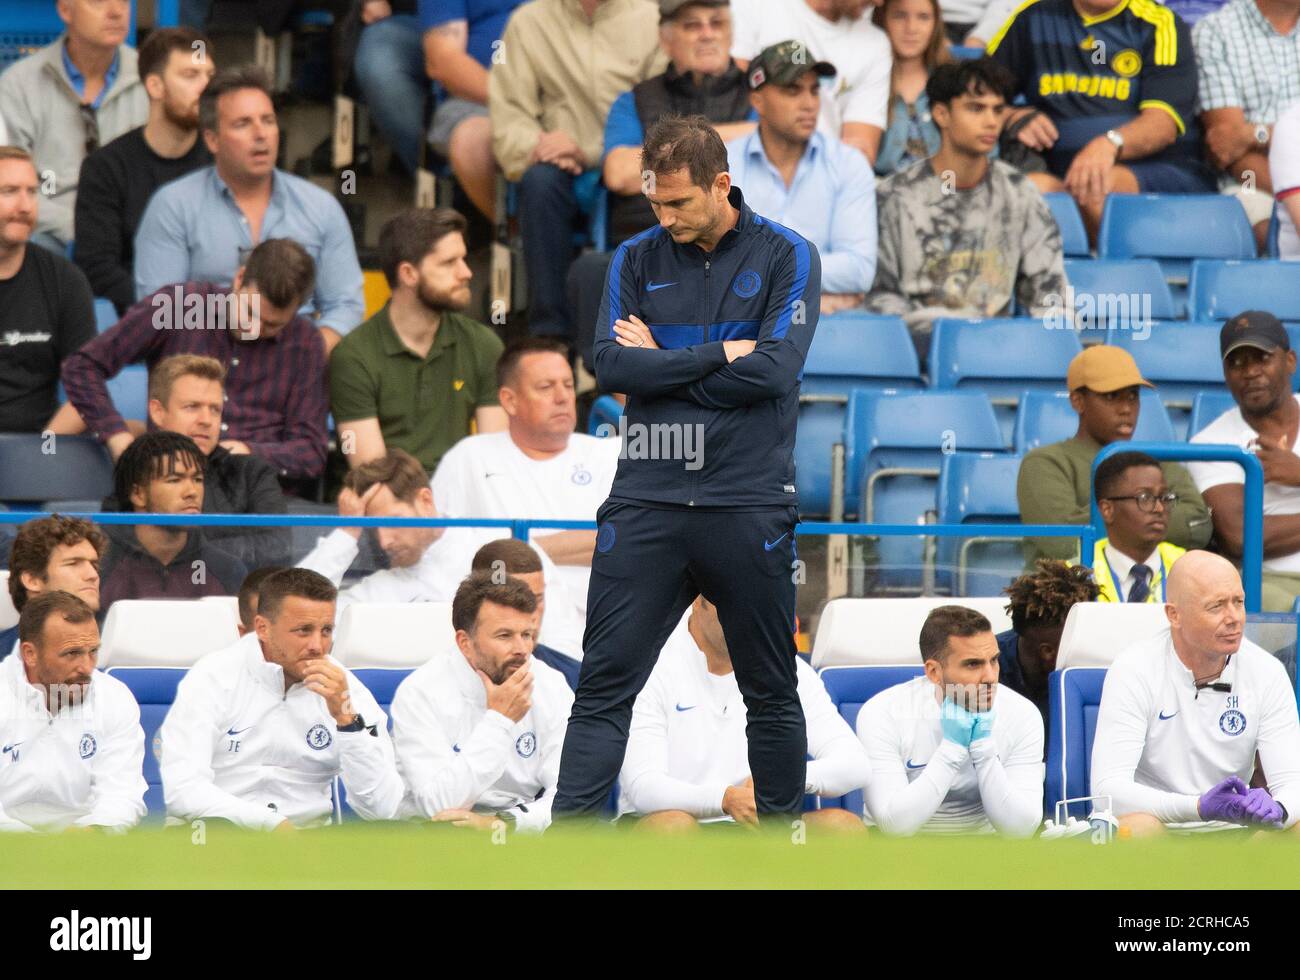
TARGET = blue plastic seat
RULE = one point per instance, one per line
(36, 468)
(850, 688)
(154, 689)
(382, 683)
(1073, 698)
(1110, 291)
(105, 314)
(1206, 407)
(1045, 418)
(605, 410)
(1220, 289)
(1174, 229)
(894, 442)
(1181, 359)
(850, 350)
(1074, 236)
(1002, 358)
(978, 488)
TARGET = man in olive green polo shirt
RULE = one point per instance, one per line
(1055, 480)
(418, 372)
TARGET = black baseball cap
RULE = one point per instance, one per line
(784, 64)
(1254, 328)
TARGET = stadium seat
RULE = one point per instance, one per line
(1174, 229)
(105, 314)
(1074, 237)
(1095, 633)
(229, 602)
(978, 488)
(155, 690)
(605, 410)
(850, 688)
(893, 443)
(8, 614)
(36, 468)
(1073, 697)
(1220, 289)
(393, 635)
(1115, 291)
(164, 632)
(850, 350)
(872, 632)
(382, 682)
(1181, 359)
(1048, 417)
(974, 354)
(1206, 407)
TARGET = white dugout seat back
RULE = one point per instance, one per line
(8, 614)
(393, 635)
(867, 632)
(165, 632)
(1097, 632)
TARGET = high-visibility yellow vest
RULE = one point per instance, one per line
(1105, 576)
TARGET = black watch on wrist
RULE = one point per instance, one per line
(356, 725)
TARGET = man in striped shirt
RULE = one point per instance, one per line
(275, 394)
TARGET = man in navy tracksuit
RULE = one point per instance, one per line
(705, 324)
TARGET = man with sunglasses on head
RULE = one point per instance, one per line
(1132, 562)
(65, 100)
(1259, 368)
(1055, 481)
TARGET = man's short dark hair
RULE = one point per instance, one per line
(516, 557)
(478, 589)
(685, 143)
(35, 544)
(517, 350)
(157, 48)
(252, 587)
(149, 457)
(1112, 468)
(945, 622)
(976, 76)
(31, 622)
(410, 235)
(282, 271)
(301, 583)
(1043, 598)
(231, 80)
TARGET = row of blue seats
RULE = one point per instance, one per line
(1074, 697)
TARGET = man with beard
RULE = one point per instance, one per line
(73, 751)
(1258, 366)
(418, 372)
(117, 180)
(46, 309)
(479, 733)
(53, 554)
(954, 751)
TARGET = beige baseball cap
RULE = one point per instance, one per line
(1104, 368)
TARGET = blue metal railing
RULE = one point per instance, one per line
(1252, 528)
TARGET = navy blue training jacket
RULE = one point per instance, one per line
(762, 282)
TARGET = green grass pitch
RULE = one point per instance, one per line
(405, 856)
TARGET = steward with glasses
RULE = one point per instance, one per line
(1131, 563)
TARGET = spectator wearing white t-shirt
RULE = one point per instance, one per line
(539, 468)
(1284, 162)
(1258, 365)
(855, 107)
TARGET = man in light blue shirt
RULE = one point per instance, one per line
(822, 189)
(202, 226)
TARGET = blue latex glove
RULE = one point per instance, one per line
(983, 725)
(1260, 807)
(1226, 801)
(958, 723)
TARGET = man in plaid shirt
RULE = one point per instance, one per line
(1248, 55)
